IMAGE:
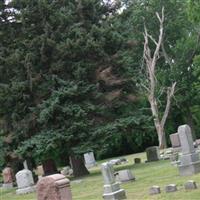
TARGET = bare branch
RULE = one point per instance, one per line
(170, 93)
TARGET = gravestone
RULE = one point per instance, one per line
(190, 185)
(112, 189)
(137, 160)
(89, 159)
(115, 161)
(171, 188)
(154, 190)
(125, 175)
(175, 140)
(153, 154)
(40, 170)
(67, 171)
(8, 178)
(189, 159)
(25, 182)
(54, 187)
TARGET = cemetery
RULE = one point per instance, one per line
(99, 100)
(155, 177)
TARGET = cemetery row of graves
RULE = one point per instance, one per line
(184, 156)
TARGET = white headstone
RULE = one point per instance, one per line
(111, 187)
(25, 182)
(89, 159)
(189, 160)
(125, 175)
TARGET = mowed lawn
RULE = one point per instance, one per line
(147, 174)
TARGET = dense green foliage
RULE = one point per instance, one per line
(71, 71)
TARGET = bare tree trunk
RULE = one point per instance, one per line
(151, 61)
(78, 166)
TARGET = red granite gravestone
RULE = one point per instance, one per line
(54, 187)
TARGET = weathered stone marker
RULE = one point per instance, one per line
(112, 189)
(89, 159)
(137, 160)
(153, 154)
(54, 187)
(125, 175)
(189, 160)
(190, 185)
(171, 188)
(175, 140)
(154, 190)
(25, 182)
(8, 178)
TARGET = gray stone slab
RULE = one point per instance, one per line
(175, 140)
(171, 188)
(137, 160)
(125, 175)
(154, 190)
(7, 186)
(186, 139)
(190, 185)
(118, 195)
(153, 154)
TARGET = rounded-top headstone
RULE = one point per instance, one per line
(7, 175)
(190, 185)
(24, 178)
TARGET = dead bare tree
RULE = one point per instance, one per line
(151, 58)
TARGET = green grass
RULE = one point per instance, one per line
(147, 174)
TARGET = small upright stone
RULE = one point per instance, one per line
(54, 187)
(137, 160)
(89, 160)
(125, 175)
(112, 189)
(190, 185)
(153, 154)
(171, 188)
(154, 190)
(25, 182)
(175, 140)
(8, 178)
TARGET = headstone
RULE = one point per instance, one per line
(112, 189)
(125, 175)
(25, 182)
(171, 188)
(89, 159)
(40, 170)
(189, 159)
(115, 161)
(8, 178)
(190, 185)
(67, 171)
(54, 187)
(153, 154)
(154, 190)
(137, 160)
(175, 140)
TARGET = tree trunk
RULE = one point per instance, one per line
(49, 167)
(78, 166)
(161, 134)
(190, 121)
